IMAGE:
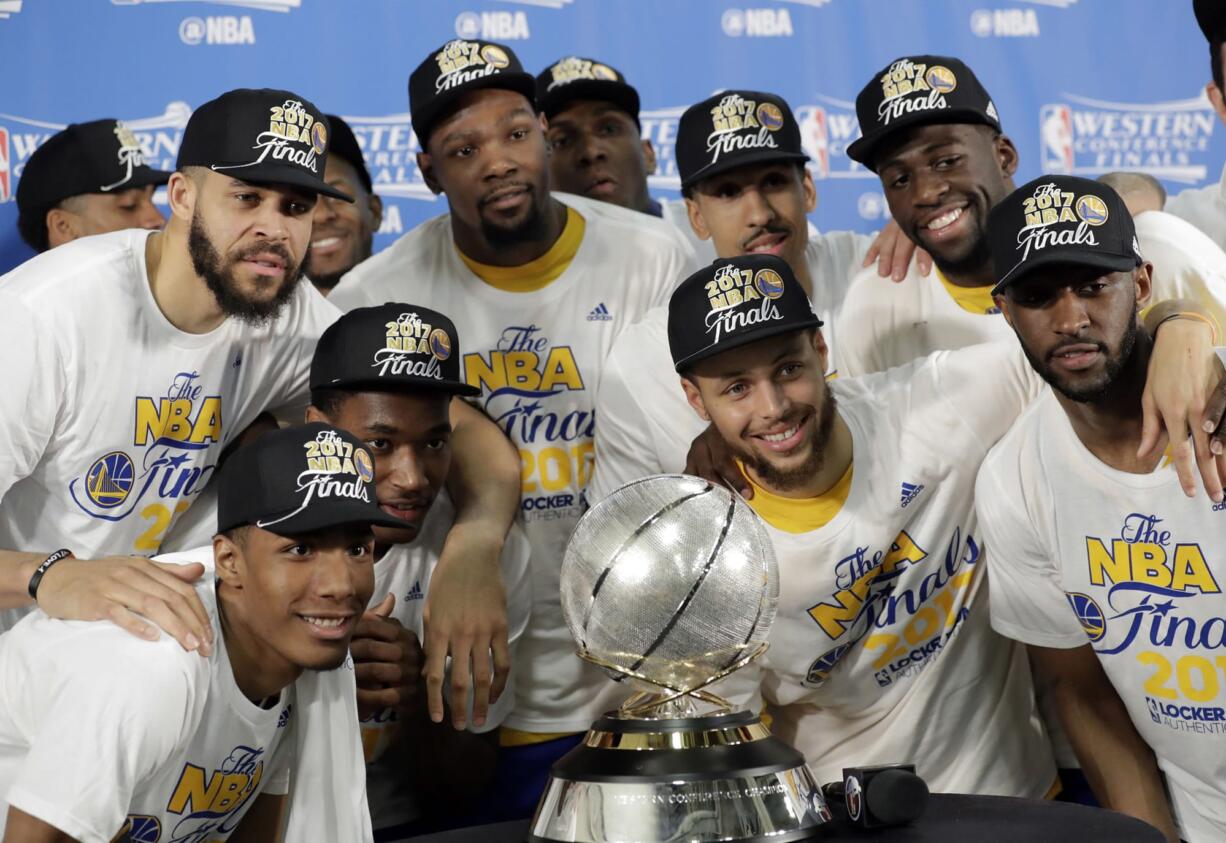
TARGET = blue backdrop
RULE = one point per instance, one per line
(1083, 86)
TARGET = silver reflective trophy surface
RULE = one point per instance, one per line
(670, 585)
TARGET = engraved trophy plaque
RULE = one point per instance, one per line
(670, 585)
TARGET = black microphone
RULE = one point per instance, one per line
(885, 795)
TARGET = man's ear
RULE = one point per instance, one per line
(62, 227)
(1006, 156)
(1143, 279)
(823, 350)
(696, 221)
(649, 157)
(314, 414)
(228, 561)
(182, 193)
(1002, 304)
(1216, 99)
(376, 212)
(426, 165)
(810, 190)
(695, 398)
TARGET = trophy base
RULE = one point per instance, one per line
(723, 778)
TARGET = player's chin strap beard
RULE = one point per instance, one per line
(207, 263)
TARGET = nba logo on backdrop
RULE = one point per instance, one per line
(1168, 140)
(825, 132)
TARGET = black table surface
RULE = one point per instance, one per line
(950, 818)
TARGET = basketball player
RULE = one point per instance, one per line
(1119, 596)
(1205, 207)
(747, 196)
(104, 443)
(886, 651)
(540, 285)
(343, 233)
(105, 737)
(89, 178)
(393, 392)
(933, 136)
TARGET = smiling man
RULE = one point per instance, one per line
(539, 285)
(1098, 562)
(186, 748)
(89, 178)
(343, 233)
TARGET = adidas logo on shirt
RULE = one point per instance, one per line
(414, 592)
(283, 719)
(910, 492)
(600, 313)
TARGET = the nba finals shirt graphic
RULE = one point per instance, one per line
(1152, 599)
(903, 604)
(171, 435)
(533, 390)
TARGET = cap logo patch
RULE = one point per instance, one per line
(733, 125)
(905, 78)
(463, 61)
(130, 155)
(1049, 205)
(293, 136)
(413, 348)
(363, 463)
(730, 288)
(572, 69)
(332, 471)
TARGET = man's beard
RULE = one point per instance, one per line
(1094, 392)
(785, 480)
(218, 274)
(534, 226)
(976, 259)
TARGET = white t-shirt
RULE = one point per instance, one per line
(1187, 264)
(537, 357)
(1204, 207)
(112, 418)
(405, 571)
(1084, 554)
(101, 731)
(886, 324)
(646, 424)
(882, 650)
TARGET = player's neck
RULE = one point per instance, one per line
(1110, 428)
(836, 457)
(964, 276)
(182, 296)
(259, 671)
(473, 244)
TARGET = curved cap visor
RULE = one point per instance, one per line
(271, 175)
(428, 114)
(762, 156)
(1101, 260)
(863, 150)
(602, 90)
(319, 516)
(746, 338)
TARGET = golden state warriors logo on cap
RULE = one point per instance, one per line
(495, 55)
(770, 116)
(440, 344)
(363, 463)
(768, 283)
(319, 138)
(941, 79)
(603, 72)
(1091, 209)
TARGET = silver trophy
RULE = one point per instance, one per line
(670, 585)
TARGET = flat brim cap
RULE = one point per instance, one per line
(261, 136)
(1060, 220)
(391, 347)
(575, 78)
(455, 69)
(101, 156)
(734, 302)
(300, 479)
(733, 129)
(918, 91)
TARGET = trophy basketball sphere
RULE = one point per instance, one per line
(670, 585)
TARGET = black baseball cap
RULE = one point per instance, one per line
(732, 129)
(261, 136)
(298, 479)
(101, 156)
(392, 346)
(1060, 220)
(917, 91)
(1211, 18)
(344, 145)
(460, 66)
(576, 78)
(732, 302)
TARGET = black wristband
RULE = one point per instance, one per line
(62, 553)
